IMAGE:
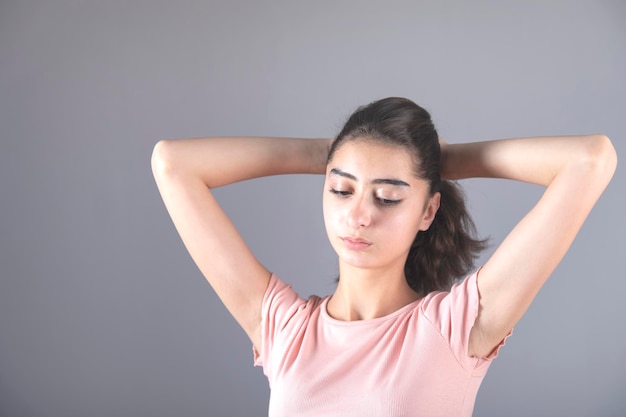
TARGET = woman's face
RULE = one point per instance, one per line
(373, 203)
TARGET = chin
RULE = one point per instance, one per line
(358, 260)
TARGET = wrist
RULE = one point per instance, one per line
(319, 155)
(447, 165)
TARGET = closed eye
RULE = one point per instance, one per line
(382, 201)
(387, 202)
(340, 192)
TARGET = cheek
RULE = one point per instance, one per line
(396, 225)
(331, 213)
(327, 212)
(402, 227)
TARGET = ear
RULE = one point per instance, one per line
(432, 205)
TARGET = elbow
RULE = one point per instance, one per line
(162, 160)
(600, 156)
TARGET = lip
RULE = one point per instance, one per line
(355, 243)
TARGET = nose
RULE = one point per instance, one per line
(359, 213)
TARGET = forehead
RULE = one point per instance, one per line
(368, 158)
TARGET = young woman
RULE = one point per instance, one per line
(399, 336)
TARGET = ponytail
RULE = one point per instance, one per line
(448, 249)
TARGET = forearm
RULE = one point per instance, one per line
(535, 160)
(221, 161)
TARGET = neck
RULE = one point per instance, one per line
(369, 293)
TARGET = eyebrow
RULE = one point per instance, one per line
(390, 181)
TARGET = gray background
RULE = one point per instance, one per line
(102, 312)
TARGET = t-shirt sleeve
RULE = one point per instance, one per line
(453, 314)
(280, 303)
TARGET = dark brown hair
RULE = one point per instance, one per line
(448, 249)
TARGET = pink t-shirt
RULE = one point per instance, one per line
(412, 362)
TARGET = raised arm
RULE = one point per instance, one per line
(186, 169)
(575, 170)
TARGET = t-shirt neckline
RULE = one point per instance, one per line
(328, 318)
